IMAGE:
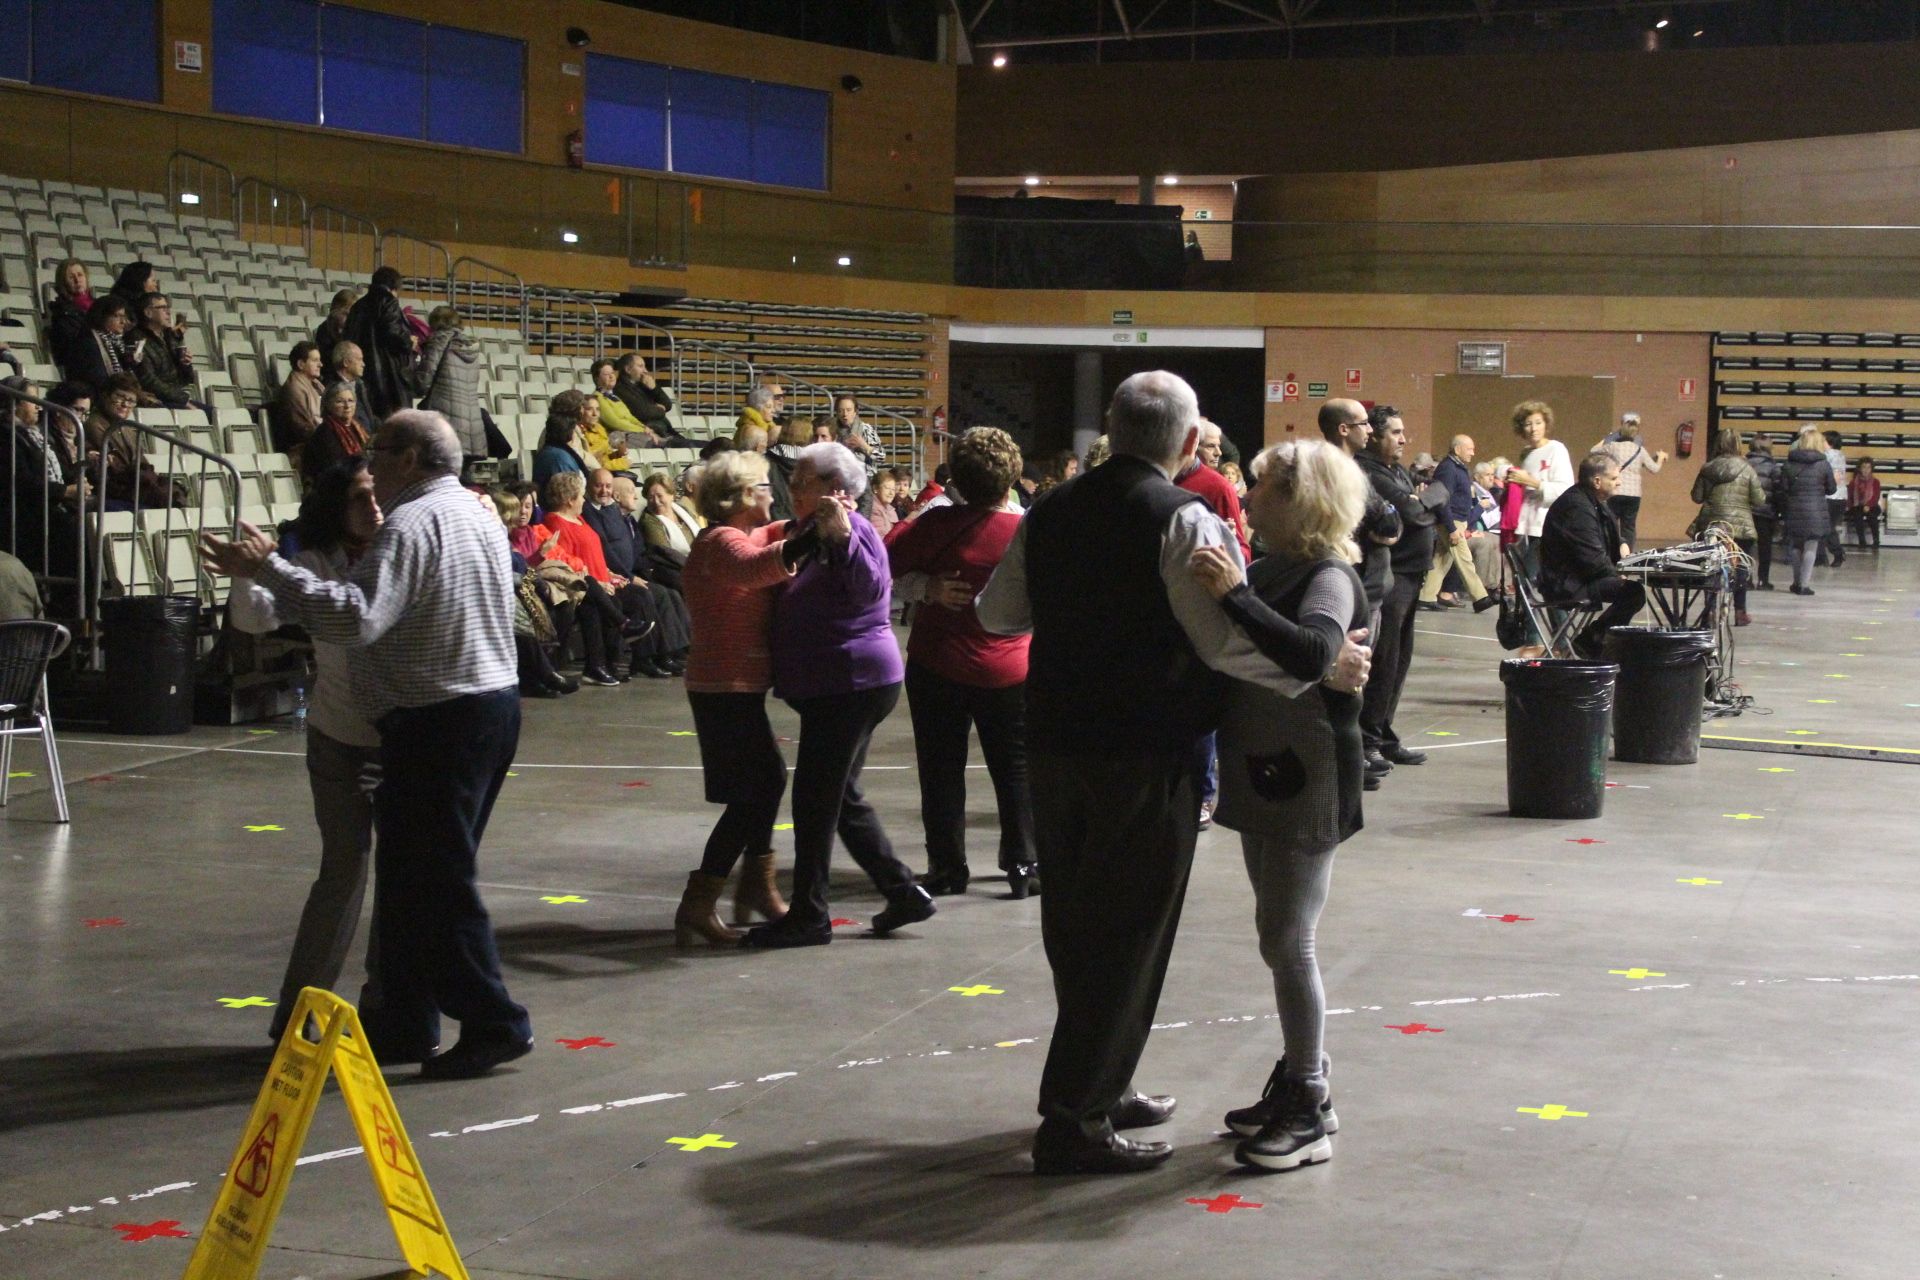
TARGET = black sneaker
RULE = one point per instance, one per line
(1397, 754)
(595, 676)
(1377, 765)
(1293, 1137)
(1247, 1121)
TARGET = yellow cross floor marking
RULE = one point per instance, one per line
(1821, 702)
(783, 826)
(1837, 675)
(1773, 769)
(681, 733)
(1798, 733)
(265, 826)
(982, 989)
(1637, 973)
(246, 1002)
(1853, 655)
(1441, 733)
(1552, 1111)
(1698, 880)
(21, 773)
(1745, 817)
(561, 899)
(701, 1143)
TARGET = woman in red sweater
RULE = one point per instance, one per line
(959, 676)
(737, 565)
(1863, 503)
(578, 548)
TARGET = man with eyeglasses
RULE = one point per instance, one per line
(165, 366)
(1345, 423)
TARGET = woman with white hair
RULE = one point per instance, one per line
(1291, 768)
(836, 662)
(1625, 447)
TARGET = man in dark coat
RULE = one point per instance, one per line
(1580, 550)
(657, 624)
(1409, 559)
(378, 328)
(646, 399)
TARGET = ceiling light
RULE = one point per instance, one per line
(999, 59)
(844, 260)
(188, 197)
(1699, 33)
(569, 237)
(1171, 180)
(1662, 24)
(1033, 182)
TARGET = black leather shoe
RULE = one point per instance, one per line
(1485, 603)
(1397, 754)
(650, 669)
(1143, 1111)
(943, 884)
(1377, 766)
(909, 904)
(474, 1056)
(1023, 879)
(1115, 1155)
(1370, 782)
(563, 684)
(787, 932)
(594, 675)
(538, 691)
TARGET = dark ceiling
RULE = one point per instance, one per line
(1038, 31)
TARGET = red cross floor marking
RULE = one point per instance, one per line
(1510, 919)
(638, 782)
(135, 1232)
(1586, 839)
(104, 922)
(589, 1042)
(840, 922)
(1415, 1028)
(1224, 1204)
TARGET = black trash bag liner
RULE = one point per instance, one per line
(1662, 689)
(1557, 713)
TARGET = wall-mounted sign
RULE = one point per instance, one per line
(1123, 317)
(1203, 215)
(1276, 392)
(1353, 379)
(1316, 390)
(187, 56)
(1483, 357)
(1686, 391)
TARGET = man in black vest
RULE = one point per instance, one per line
(1124, 677)
(1580, 550)
(1409, 558)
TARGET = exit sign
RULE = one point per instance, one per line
(1316, 390)
(1123, 317)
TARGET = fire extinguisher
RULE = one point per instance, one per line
(940, 421)
(1683, 439)
(576, 150)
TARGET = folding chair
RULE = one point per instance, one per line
(26, 650)
(1555, 622)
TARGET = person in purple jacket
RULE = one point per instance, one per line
(836, 662)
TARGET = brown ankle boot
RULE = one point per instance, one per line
(756, 890)
(699, 915)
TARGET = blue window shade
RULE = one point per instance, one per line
(266, 59)
(475, 84)
(375, 72)
(16, 20)
(626, 120)
(712, 125)
(790, 136)
(108, 47)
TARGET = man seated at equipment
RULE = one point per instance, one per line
(1580, 551)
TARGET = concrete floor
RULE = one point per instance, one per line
(1749, 1107)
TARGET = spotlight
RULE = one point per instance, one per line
(1662, 24)
(844, 260)
(569, 237)
(1032, 181)
(1171, 180)
(999, 59)
(1699, 33)
(188, 197)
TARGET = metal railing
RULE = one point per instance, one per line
(338, 240)
(200, 186)
(275, 214)
(425, 266)
(487, 294)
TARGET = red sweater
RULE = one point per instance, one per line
(970, 542)
(579, 547)
(1864, 491)
(1218, 491)
(730, 580)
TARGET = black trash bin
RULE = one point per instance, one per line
(1557, 711)
(1662, 688)
(149, 645)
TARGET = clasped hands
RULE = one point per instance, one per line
(1218, 573)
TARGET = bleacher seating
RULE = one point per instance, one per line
(1866, 386)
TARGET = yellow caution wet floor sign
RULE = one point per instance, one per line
(234, 1240)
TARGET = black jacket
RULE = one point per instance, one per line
(618, 541)
(649, 404)
(1800, 490)
(1413, 554)
(163, 375)
(66, 329)
(1579, 544)
(377, 327)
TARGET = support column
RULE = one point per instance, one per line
(1088, 405)
(1146, 190)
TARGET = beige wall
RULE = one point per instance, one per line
(1399, 367)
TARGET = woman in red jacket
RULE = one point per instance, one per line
(959, 676)
(1863, 503)
(579, 549)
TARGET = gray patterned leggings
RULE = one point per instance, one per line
(1290, 883)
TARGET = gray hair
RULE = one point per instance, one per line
(1210, 430)
(760, 398)
(836, 466)
(338, 391)
(563, 487)
(436, 449)
(1151, 414)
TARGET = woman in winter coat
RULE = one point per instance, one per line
(1800, 491)
(449, 379)
(377, 326)
(1729, 491)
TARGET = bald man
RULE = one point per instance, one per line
(1455, 472)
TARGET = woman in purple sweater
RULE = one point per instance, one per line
(836, 662)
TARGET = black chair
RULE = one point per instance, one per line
(26, 650)
(1556, 622)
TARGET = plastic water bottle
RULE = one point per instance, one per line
(300, 704)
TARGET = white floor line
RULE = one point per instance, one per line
(1448, 746)
(1456, 635)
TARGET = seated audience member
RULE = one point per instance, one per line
(529, 539)
(689, 498)
(130, 477)
(748, 438)
(135, 281)
(960, 678)
(577, 548)
(350, 367)
(667, 528)
(67, 436)
(378, 326)
(1483, 525)
(1863, 504)
(1580, 550)
(105, 349)
(713, 448)
(614, 414)
(67, 314)
(339, 436)
(656, 615)
(885, 517)
(165, 366)
(561, 445)
(534, 634)
(593, 434)
(645, 399)
(295, 413)
(762, 408)
(449, 379)
(19, 593)
(529, 494)
(334, 328)
(45, 500)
